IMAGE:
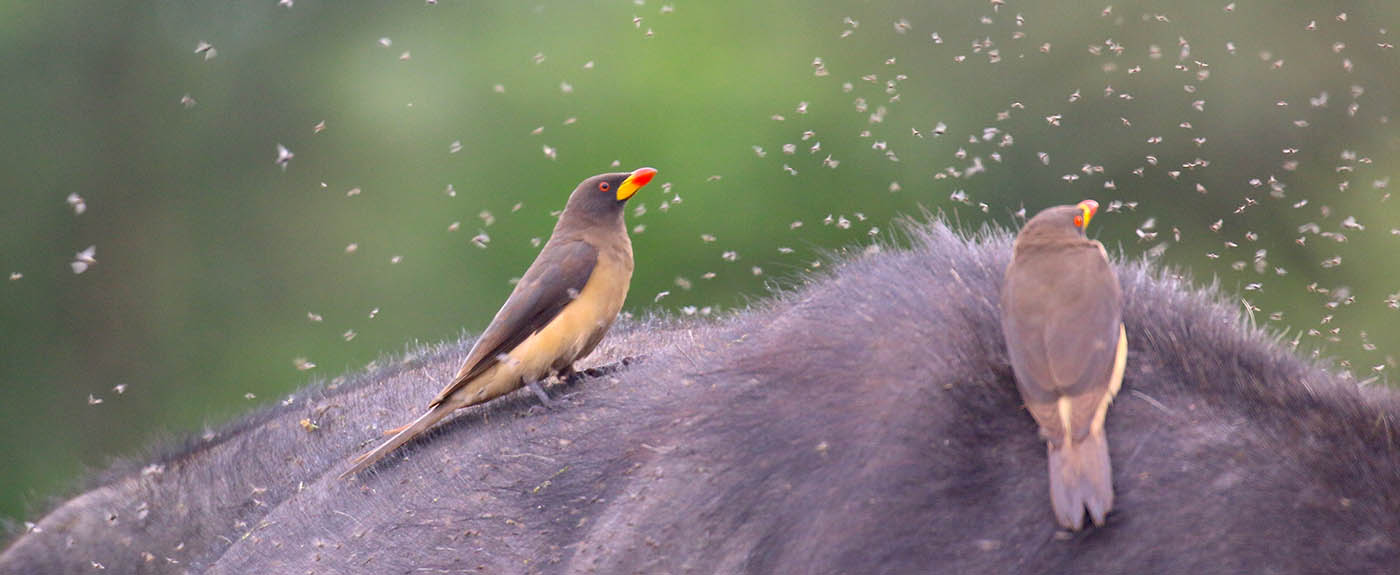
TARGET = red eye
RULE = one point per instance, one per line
(603, 186)
(1079, 220)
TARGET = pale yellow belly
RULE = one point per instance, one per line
(577, 329)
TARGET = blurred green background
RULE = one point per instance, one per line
(1273, 119)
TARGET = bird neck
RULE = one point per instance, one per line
(601, 230)
(1027, 246)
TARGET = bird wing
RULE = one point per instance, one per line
(1024, 305)
(1081, 336)
(552, 282)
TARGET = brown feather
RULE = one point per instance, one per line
(1062, 320)
(553, 281)
(557, 313)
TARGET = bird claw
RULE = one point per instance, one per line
(544, 397)
(602, 370)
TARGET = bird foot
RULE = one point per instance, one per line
(572, 377)
(544, 397)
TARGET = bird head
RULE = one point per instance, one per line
(604, 195)
(1062, 222)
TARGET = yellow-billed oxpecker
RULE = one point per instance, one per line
(556, 315)
(1062, 318)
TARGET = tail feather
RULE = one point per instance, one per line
(1081, 478)
(404, 435)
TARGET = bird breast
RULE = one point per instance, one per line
(580, 325)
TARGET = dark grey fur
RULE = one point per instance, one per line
(865, 423)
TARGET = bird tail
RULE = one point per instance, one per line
(405, 434)
(1081, 478)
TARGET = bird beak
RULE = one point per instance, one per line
(1087, 209)
(634, 182)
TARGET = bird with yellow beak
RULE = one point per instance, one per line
(557, 314)
(1062, 315)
